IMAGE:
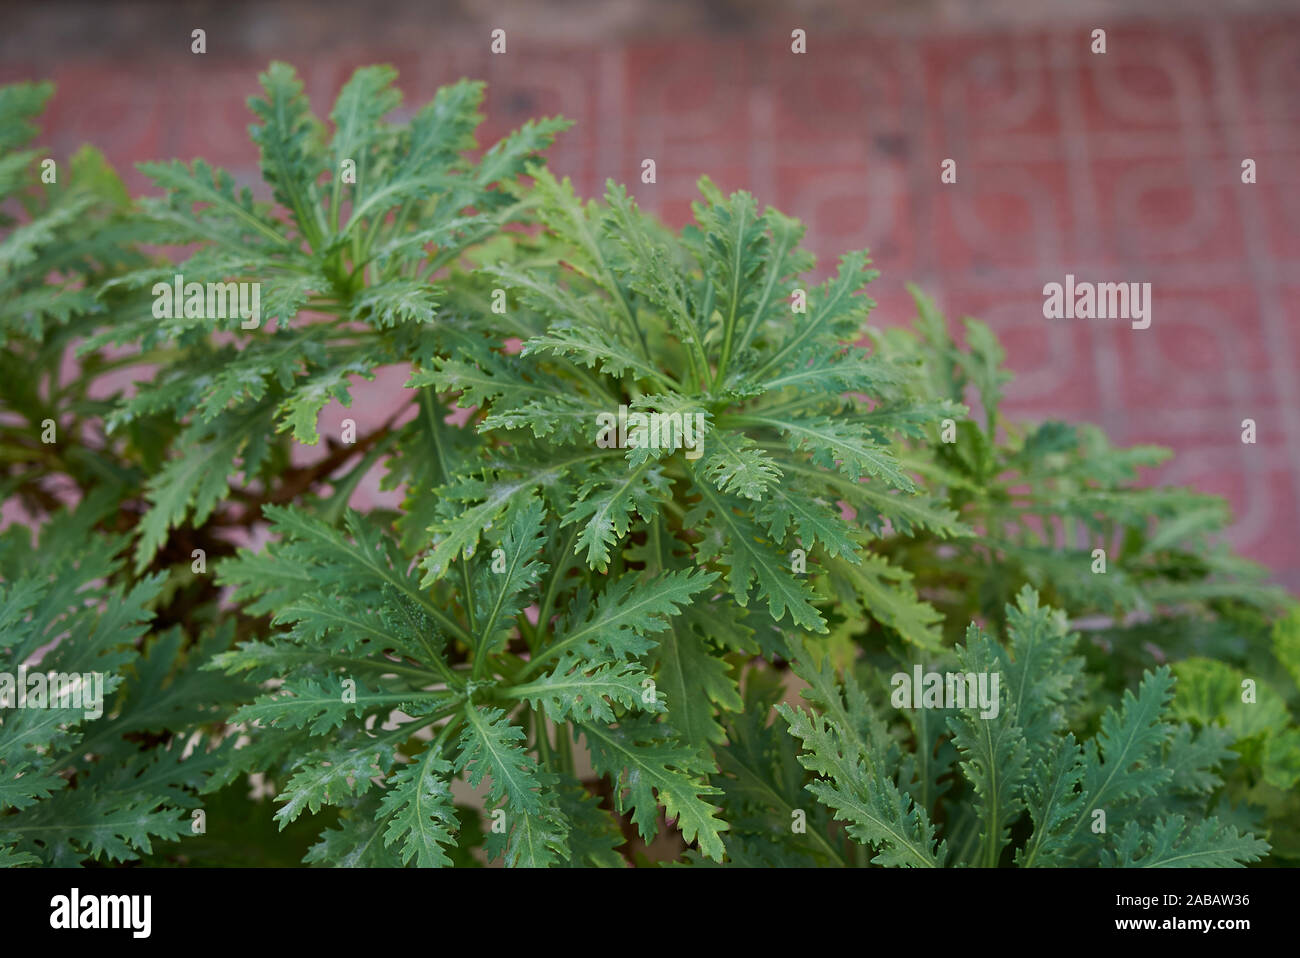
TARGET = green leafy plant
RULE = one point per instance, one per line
(78, 784)
(361, 255)
(1256, 705)
(656, 485)
(62, 240)
(1142, 773)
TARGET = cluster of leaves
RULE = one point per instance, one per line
(1257, 704)
(598, 641)
(209, 407)
(108, 768)
(120, 763)
(1029, 791)
(375, 212)
(1042, 498)
(61, 241)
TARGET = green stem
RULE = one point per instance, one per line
(427, 410)
(562, 565)
(564, 745)
(541, 739)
